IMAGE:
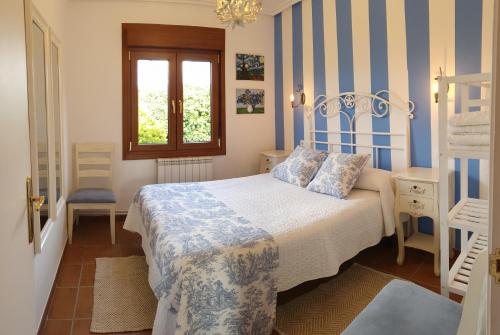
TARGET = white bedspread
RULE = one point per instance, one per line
(315, 233)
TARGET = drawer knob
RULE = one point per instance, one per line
(416, 205)
(267, 159)
(417, 189)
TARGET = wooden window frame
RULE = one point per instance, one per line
(214, 100)
(186, 42)
(135, 55)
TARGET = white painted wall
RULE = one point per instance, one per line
(94, 84)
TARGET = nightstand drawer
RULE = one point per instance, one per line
(266, 167)
(416, 206)
(267, 163)
(269, 159)
(416, 188)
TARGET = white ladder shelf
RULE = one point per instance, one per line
(469, 216)
(460, 271)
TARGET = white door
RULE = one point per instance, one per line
(494, 240)
(16, 253)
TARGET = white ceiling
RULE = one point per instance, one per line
(270, 7)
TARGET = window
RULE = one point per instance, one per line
(173, 89)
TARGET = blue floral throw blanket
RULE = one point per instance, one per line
(217, 269)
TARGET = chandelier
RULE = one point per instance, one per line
(238, 12)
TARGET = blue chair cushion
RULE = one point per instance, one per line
(92, 196)
(405, 308)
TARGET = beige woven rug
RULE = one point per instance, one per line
(123, 300)
(330, 308)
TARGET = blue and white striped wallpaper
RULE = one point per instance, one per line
(332, 46)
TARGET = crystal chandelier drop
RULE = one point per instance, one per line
(238, 12)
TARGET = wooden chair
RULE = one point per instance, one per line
(94, 183)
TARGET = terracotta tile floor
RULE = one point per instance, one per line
(70, 306)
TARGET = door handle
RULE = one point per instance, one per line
(495, 265)
(37, 202)
(173, 106)
(29, 193)
(180, 107)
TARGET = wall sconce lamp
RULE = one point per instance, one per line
(435, 86)
(435, 90)
(298, 98)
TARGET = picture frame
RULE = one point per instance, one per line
(250, 101)
(249, 67)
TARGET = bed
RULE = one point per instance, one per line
(315, 233)
(219, 251)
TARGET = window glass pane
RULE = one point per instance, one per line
(152, 87)
(57, 116)
(40, 107)
(197, 111)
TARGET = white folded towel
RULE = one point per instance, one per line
(482, 129)
(477, 148)
(469, 139)
(469, 119)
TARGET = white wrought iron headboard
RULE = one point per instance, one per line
(362, 104)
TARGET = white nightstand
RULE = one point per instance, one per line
(417, 196)
(271, 158)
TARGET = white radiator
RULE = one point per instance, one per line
(182, 170)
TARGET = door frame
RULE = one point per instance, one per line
(57, 208)
(32, 15)
(493, 322)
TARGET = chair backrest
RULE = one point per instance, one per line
(93, 164)
(473, 320)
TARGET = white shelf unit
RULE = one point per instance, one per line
(469, 216)
(459, 274)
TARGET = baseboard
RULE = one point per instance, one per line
(41, 324)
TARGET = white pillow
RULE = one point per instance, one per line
(380, 181)
(374, 179)
(338, 174)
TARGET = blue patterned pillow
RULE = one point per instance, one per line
(338, 174)
(300, 167)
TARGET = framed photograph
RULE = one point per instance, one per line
(249, 101)
(249, 67)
